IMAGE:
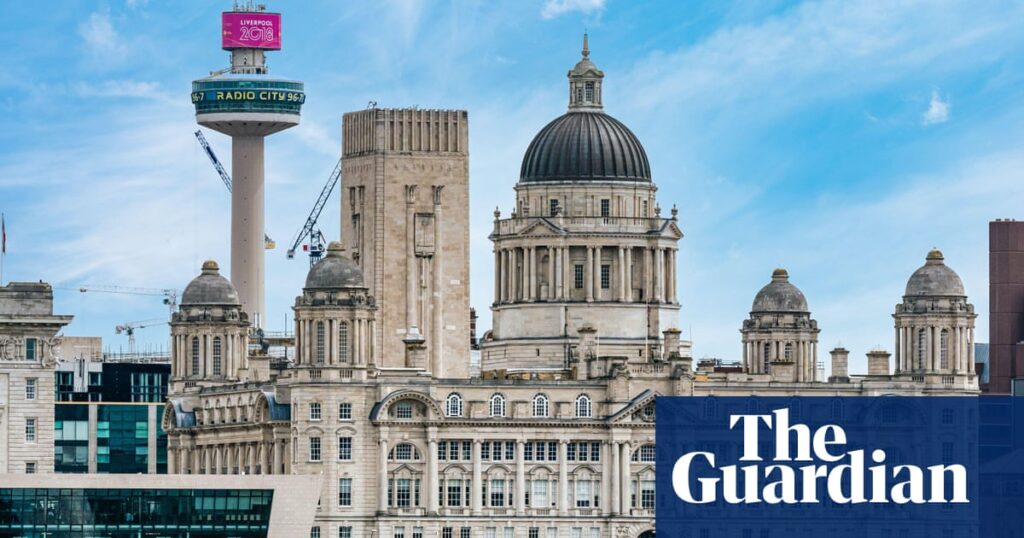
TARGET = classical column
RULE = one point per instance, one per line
(624, 480)
(197, 459)
(615, 478)
(382, 476)
(477, 489)
(502, 284)
(596, 280)
(514, 273)
(551, 273)
(970, 348)
(671, 275)
(567, 280)
(264, 458)
(432, 493)
(172, 460)
(520, 503)
(588, 275)
(621, 276)
(533, 273)
(629, 274)
(659, 267)
(648, 276)
(252, 458)
(563, 478)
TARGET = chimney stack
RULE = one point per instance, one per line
(840, 366)
(878, 362)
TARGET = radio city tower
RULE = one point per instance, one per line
(247, 104)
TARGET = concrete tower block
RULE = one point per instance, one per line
(878, 362)
(405, 220)
(840, 366)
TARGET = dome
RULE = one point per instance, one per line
(935, 278)
(335, 270)
(210, 288)
(780, 296)
(585, 145)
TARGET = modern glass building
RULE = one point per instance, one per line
(116, 405)
(156, 506)
(124, 513)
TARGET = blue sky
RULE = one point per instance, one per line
(840, 140)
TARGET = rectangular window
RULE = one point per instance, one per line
(528, 451)
(465, 532)
(552, 532)
(30, 349)
(454, 493)
(595, 451)
(606, 208)
(582, 493)
(447, 532)
(577, 532)
(490, 532)
(314, 449)
(30, 389)
(398, 532)
(589, 91)
(497, 493)
(647, 494)
(534, 532)
(510, 450)
(344, 532)
(30, 467)
(314, 411)
(345, 492)
(314, 532)
(417, 532)
(539, 499)
(595, 532)
(578, 276)
(30, 429)
(553, 204)
(510, 532)
(403, 490)
(345, 412)
(606, 277)
(485, 450)
(552, 451)
(345, 448)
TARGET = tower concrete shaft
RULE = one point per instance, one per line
(248, 262)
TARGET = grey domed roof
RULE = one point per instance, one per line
(935, 278)
(210, 288)
(779, 296)
(335, 270)
(586, 145)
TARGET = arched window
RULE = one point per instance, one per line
(343, 341)
(216, 356)
(540, 405)
(404, 452)
(922, 348)
(195, 356)
(319, 342)
(644, 454)
(788, 351)
(583, 407)
(944, 349)
(453, 405)
(497, 405)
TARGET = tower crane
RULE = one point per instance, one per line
(170, 296)
(316, 239)
(268, 243)
(130, 327)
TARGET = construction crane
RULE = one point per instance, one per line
(316, 239)
(170, 296)
(130, 327)
(268, 243)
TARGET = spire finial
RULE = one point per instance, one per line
(586, 48)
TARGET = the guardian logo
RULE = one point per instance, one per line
(814, 469)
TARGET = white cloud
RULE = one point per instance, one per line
(557, 8)
(938, 110)
(101, 39)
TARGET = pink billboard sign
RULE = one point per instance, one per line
(248, 30)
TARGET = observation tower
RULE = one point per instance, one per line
(247, 104)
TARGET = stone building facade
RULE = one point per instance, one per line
(555, 437)
(29, 346)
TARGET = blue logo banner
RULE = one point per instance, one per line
(788, 467)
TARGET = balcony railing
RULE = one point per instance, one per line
(584, 224)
